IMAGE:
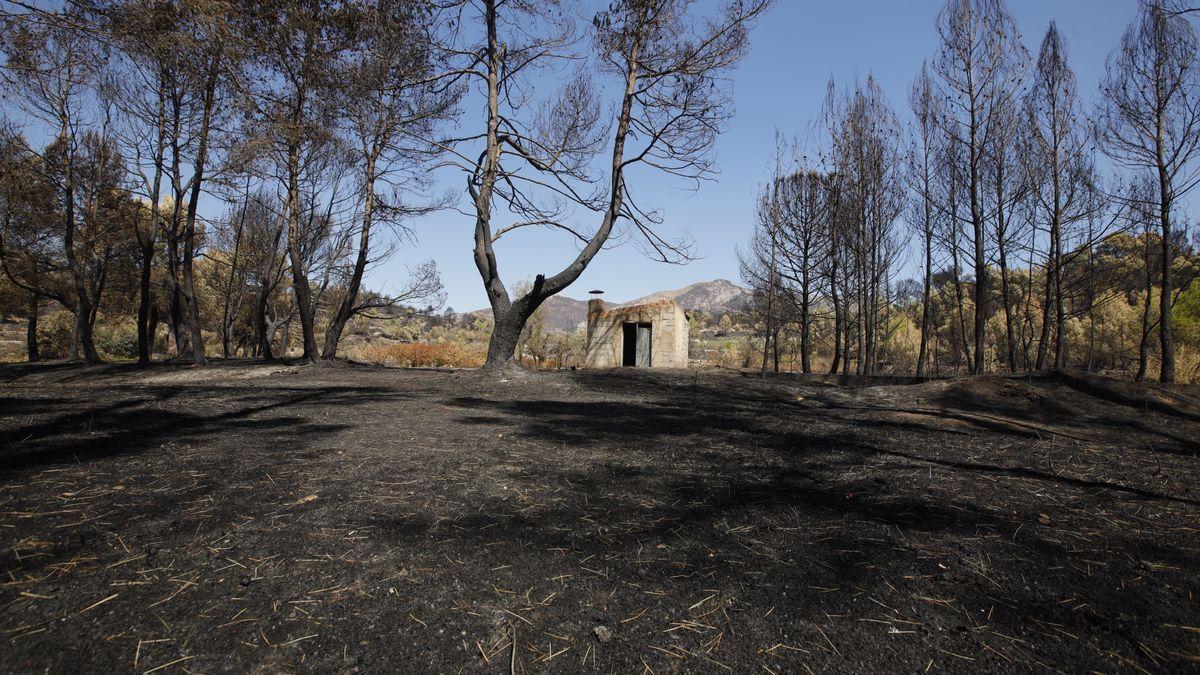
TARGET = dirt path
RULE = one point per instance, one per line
(408, 521)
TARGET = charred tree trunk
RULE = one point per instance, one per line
(805, 331)
(837, 320)
(506, 335)
(1165, 336)
(31, 329)
(83, 302)
(1060, 318)
(260, 323)
(960, 297)
(151, 330)
(145, 331)
(1147, 324)
(1010, 332)
(226, 320)
(346, 309)
(191, 301)
(1047, 304)
(926, 289)
(145, 301)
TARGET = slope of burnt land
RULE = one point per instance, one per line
(251, 517)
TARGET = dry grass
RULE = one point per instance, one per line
(423, 355)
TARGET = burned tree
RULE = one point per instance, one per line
(298, 48)
(535, 162)
(394, 102)
(922, 171)
(48, 72)
(1149, 121)
(1063, 168)
(979, 64)
(805, 207)
(759, 264)
(865, 155)
(30, 255)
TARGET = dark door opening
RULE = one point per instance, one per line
(636, 342)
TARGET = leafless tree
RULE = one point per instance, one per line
(1065, 175)
(1006, 181)
(759, 264)
(925, 138)
(980, 64)
(1149, 120)
(805, 207)
(951, 188)
(865, 154)
(393, 104)
(533, 160)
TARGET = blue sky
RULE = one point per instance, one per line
(795, 50)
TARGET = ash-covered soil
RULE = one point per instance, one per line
(281, 518)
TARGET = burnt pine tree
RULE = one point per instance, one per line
(805, 207)
(1149, 121)
(138, 83)
(167, 77)
(393, 104)
(298, 49)
(30, 255)
(49, 71)
(1064, 169)
(979, 63)
(922, 172)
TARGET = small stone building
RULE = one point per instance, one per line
(653, 335)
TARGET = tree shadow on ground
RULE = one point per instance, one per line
(667, 468)
(612, 424)
(135, 420)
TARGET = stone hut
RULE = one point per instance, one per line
(653, 335)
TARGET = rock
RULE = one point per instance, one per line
(603, 634)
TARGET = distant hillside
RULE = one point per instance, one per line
(715, 298)
(564, 313)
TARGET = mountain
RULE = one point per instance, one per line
(714, 298)
(564, 313)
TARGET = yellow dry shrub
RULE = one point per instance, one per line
(423, 355)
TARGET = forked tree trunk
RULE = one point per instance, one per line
(300, 287)
(260, 324)
(191, 300)
(82, 336)
(346, 309)
(502, 346)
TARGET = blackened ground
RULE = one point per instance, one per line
(275, 518)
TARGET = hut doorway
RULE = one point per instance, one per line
(636, 345)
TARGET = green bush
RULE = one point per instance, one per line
(54, 334)
(118, 341)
